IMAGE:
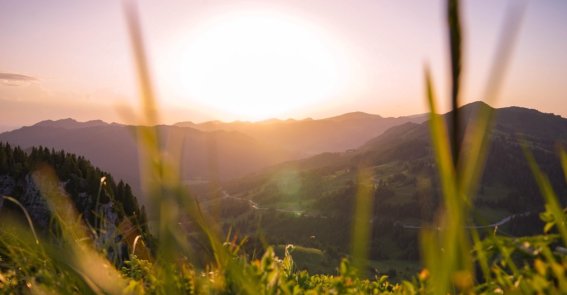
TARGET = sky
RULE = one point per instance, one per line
(254, 60)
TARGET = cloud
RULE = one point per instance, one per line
(11, 79)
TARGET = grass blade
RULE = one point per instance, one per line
(28, 218)
(362, 228)
(455, 40)
(549, 195)
(451, 264)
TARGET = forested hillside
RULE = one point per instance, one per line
(311, 202)
(109, 210)
(203, 156)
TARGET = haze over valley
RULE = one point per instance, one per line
(249, 180)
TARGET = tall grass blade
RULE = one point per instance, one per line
(551, 201)
(506, 43)
(164, 184)
(81, 257)
(28, 218)
(476, 137)
(362, 226)
(455, 40)
(563, 156)
(467, 158)
(451, 263)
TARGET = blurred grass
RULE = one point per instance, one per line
(552, 204)
(450, 251)
(447, 250)
(362, 219)
(455, 49)
(80, 257)
(164, 184)
(26, 214)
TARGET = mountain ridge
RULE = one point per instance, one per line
(114, 148)
(405, 187)
(69, 123)
(239, 150)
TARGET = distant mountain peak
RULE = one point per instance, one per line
(56, 122)
(69, 123)
(468, 110)
(354, 116)
(185, 124)
(476, 104)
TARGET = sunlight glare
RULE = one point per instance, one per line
(259, 64)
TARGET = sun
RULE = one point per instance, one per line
(256, 64)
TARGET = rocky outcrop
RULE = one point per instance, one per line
(106, 233)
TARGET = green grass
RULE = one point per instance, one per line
(71, 264)
(396, 270)
(312, 260)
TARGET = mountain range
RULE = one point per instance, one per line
(207, 151)
(295, 181)
(311, 201)
(310, 137)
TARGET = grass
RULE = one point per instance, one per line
(395, 269)
(450, 251)
(309, 259)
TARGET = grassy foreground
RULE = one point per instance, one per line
(455, 259)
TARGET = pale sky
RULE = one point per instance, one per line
(253, 60)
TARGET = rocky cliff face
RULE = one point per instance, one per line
(105, 234)
(29, 196)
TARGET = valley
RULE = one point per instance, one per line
(310, 202)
